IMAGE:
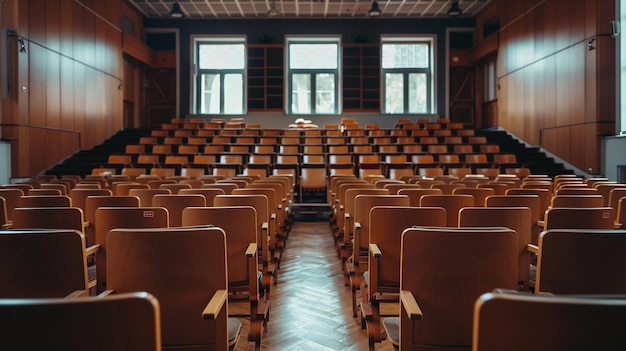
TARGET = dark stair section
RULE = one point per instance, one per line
(82, 162)
(529, 156)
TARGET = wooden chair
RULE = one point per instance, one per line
(530, 201)
(12, 198)
(209, 194)
(479, 194)
(92, 203)
(544, 197)
(124, 322)
(584, 323)
(240, 225)
(176, 203)
(145, 196)
(79, 196)
(382, 279)
(313, 181)
(174, 188)
(444, 290)
(42, 263)
(516, 218)
(363, 204)
(49, 218)
(345, 246)
(260, 203)
(108, 218)
(191, 285)
(122, 189)
(452, 204)
(580, 201)
(226, 187)
(48, 191)
(581, 261)
(45, 201)
(415, 195)
(578, 218)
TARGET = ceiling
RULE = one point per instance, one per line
(218, 9)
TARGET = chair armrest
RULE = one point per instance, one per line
(532, 248)
(375, 250)
(541, 223)
(77, 293)
(91, 250)
(617, 225)
(251, 250)
(105, 293)
(357, 226)
(214, 307)
(413, 310)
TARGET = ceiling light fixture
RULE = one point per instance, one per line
(176, 11)
(455, 10)
(273, 11)
(374, 11)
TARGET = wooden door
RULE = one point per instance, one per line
(462, 107)
(160, 96)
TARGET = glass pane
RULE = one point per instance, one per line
(221, 56)
(394, 93)
(418, 93)
(325, 93)
(409, 55)
(233, 93)
(210, 95)
(307, 56)
(301, 93)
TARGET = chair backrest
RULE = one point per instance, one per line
(387, 223)
(581, 261)
(176, 203)
(125, 322)
(45, 201)
(479, 194)
(146, 195)
(226, 187)
(48, 218)
(42, 263)
(349, 204)
(544, 196)
(584, 323)
(12, 197)
(579, 218)
(79, 196)
(108, 218)
(583, 201)
(363, 204)
(415, 195)
(209, 194)
(184, 268)
(240, 225)
(452, 204)
(446, 289)
(530, 201)
(516, 218)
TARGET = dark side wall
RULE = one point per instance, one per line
(277, 29)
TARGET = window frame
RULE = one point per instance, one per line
(430, 72)
(196, 90)
(289, 73)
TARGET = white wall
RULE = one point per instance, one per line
(5, 162)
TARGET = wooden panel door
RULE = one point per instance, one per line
(462, 108)
(160, 96)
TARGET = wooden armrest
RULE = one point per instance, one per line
(91, 250)
(265, 226)
(213, 308)
(532, 248)
(617, 225)
(544, 293)
(375, 250)
(273, 216)
(413, 310)
(357, 225)
(541, 223)
(251, 250)
(77, 293)
(105, 293)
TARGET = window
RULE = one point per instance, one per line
(490, 83)
(313, 75)
(219, 87)
(407, 75)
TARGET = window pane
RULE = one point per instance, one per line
(308, 56)
(324, 93)
(394, 93)
(417, 93)
(221, 56)
(301, 93)
(410, 55)
(210, 95)
(233, 93)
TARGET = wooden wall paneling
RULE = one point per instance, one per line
(605, 84)
(100, 45)
(80, 103)
(52, 10)
(577, 20)
(37, 21)
(36, 87)
(591, 151)
(66, 19)
(577, 79)
(578, 144)
(53, 90)
(115, 63)
(67, 113)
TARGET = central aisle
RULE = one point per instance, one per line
(310, 306)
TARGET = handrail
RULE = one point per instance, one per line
(45, 128)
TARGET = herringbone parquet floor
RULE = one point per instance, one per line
(311, 306)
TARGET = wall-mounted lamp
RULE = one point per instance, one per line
(374, 11)
(455, 10)
(590, 44)
(273, 11)
(22, 44)
(176, 11)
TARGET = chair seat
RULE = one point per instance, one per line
(234, 329)
(392, 328)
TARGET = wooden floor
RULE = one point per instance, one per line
(311, 306)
